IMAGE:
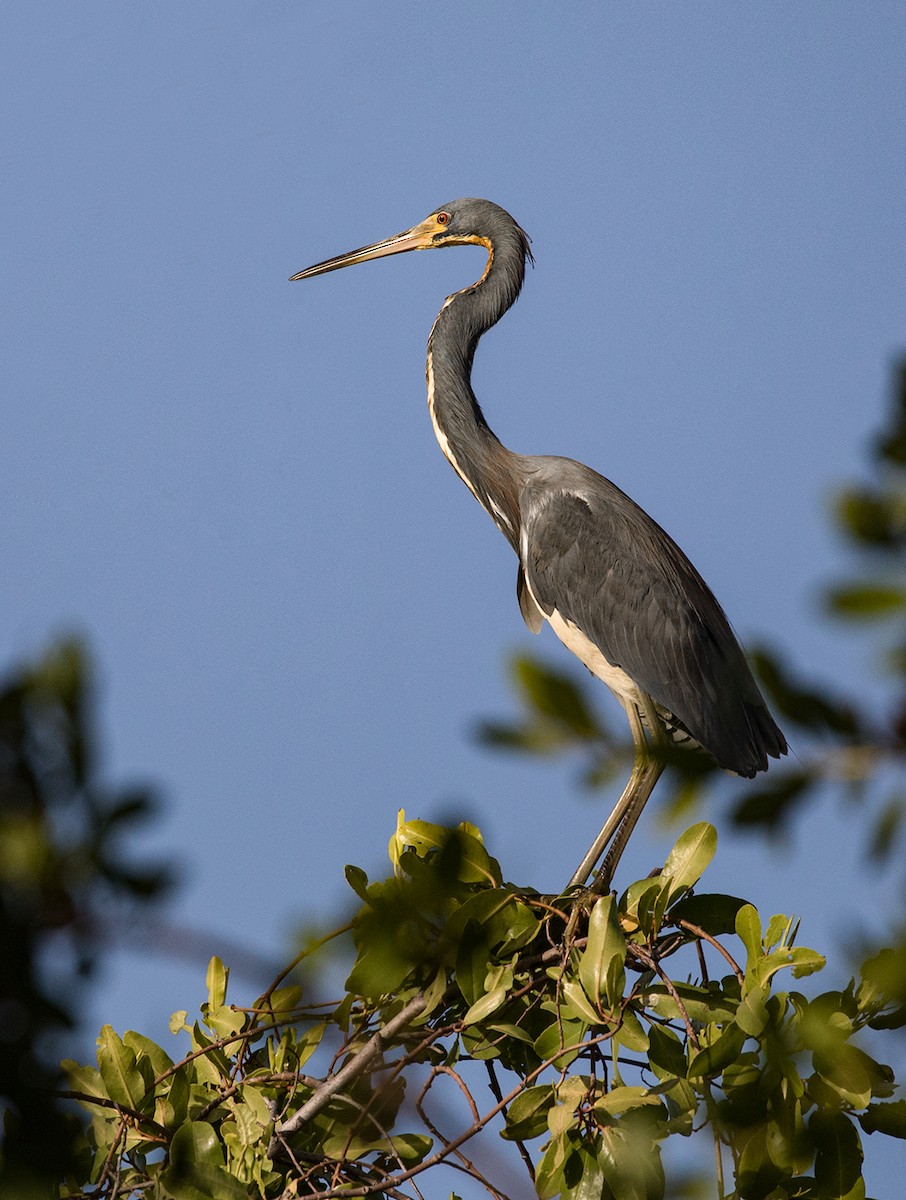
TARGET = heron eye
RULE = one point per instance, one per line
(443, 218)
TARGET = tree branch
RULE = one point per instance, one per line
(356, 1066)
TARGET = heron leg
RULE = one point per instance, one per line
(652, 770)
(646, 771)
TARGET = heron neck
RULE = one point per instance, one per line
(483, 463)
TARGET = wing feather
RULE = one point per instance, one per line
(597, 558)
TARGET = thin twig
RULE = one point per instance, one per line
(712, 941)
(494, 1085)
(465, 1164)
(440, 1155)
(653, 965)
(103, 1102)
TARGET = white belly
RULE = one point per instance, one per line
(588, 653)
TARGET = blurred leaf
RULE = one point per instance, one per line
(838, 1153)
(891, 445)
(871, 517)
(887, 826)
(772, 803)
(885, 973)
(554, 694)
(866, 601)
(885, 1118)
(808, 707)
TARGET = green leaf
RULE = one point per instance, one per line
(84, 1079)
(143, 1047)
(178, 1020)
(581, 1007)
(584, 1174)
(556, 1037)
(216, 979)
(715, 913)
(805, 961)
(508, 922)
(631, 1034)
(410, 1147)
(665, 1052)
(638, 905)
(485, 1005)
(527, 1115)
(472, 962)
(621, 1099)
(757, 1174)
(212, 1067)
(249, 1129)
(252, 1097)
(199, 1182)
(601, 963)
(689, 858)
(357, 880)
(224, 1021)
(709, 1005)
(885, 1118)
(382, 966)
(802, 960)
(748, 929)
(285, 999)
(852, 1074)
(712, 1060)
(752, 1015)
(838, 1153)
(549, 1177)
(463, 845)
(630, 1161)
(196, 1143)
(121, 1076)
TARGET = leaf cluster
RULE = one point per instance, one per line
(585, 1030)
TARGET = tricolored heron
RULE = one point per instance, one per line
(615, 588)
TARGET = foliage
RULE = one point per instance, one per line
(586, 1030)
(62, 870)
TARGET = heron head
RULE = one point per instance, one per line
(467, 222)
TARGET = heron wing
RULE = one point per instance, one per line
(597, 559)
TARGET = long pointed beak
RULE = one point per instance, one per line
(419, 237)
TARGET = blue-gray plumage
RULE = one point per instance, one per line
(615, 588)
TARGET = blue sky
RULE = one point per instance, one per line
(230, 486)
